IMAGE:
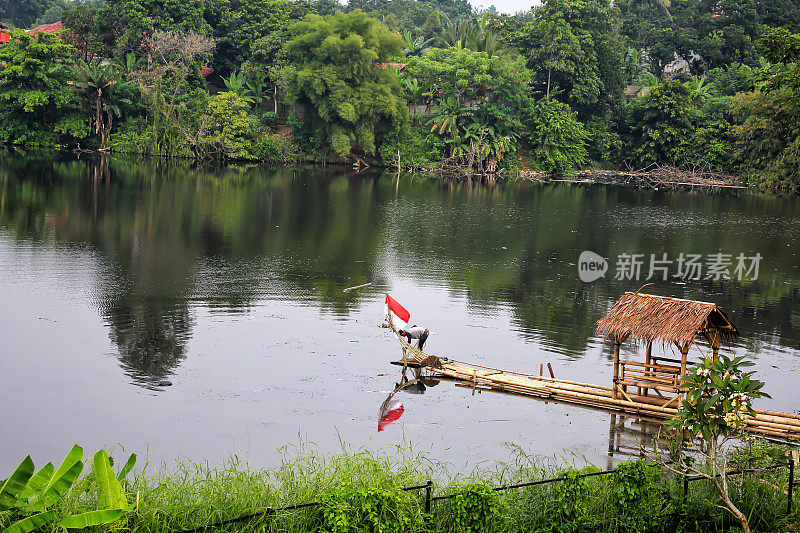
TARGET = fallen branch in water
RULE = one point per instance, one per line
(348, 289)
(655, 176)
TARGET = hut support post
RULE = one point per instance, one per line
(611, 433)
(684, 354)
(616, 366)
(649, 361)
(715, 345)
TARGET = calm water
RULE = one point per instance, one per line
(116, 274)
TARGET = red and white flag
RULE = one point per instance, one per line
(395, 314)
(390, 412)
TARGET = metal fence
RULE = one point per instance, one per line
(430, 498)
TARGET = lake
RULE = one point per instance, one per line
(228, 282)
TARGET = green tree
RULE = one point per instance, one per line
(238, 25)
(717, 396)
(557, 138)
(768, 135)
(93, 30)
(38, 107)
(173, 92)
(22, 13)
(573, 45)
(662, 123)
(461, 73)
(140, 18)
(556, 48)
(340, 81)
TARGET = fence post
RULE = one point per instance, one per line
(791, 484)
(429, 494)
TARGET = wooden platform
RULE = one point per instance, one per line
(767, 423)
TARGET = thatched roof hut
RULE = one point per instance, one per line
(647, 318)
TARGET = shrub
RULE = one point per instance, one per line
(475, 508)
(349, 507)
(137, 136)
(269, 120)
(419, 149)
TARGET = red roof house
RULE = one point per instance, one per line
(47, 28)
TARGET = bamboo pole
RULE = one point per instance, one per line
(616, 365)
(648, 360)
(582, 395)
(777, 413)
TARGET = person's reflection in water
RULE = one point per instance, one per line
(391, 408)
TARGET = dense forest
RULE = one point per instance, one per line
(419, 84)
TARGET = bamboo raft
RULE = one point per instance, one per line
(661, 378)
(772, 424)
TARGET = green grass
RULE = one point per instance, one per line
(361, 491)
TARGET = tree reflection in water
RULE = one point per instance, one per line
(170, 237)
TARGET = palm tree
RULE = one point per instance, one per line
(97, 79)
(446, 122)
(464, 32)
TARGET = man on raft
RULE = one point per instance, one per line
(415, 332)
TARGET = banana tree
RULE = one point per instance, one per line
(29, 498)
(415, 46)
(237, 84)
(416, 92)
(698, 87)
(256, 86)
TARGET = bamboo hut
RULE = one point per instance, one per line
(646, 319)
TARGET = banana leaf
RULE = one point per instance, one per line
(38, 481)
(127, 468)
(15, 484)
(109, 490)
(91, 518)
(69, 470)
(31, 523)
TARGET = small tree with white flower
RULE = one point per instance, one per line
(716, 405)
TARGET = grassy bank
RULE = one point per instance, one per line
(361, 491)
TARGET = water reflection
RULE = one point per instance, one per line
(633, 436)
(392, 408)
(171, 238)
(151, 336)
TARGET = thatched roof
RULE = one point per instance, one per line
(647, 318)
